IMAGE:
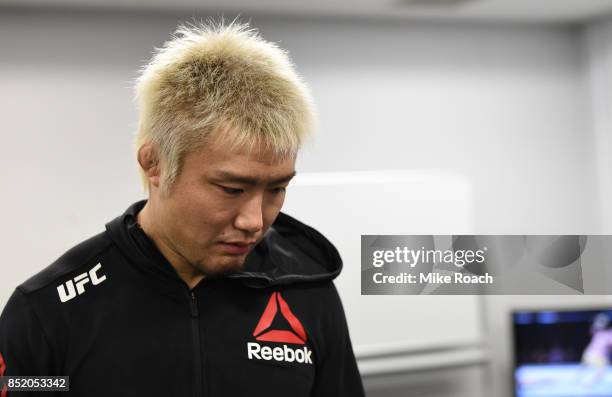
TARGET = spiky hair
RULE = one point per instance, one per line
(217, 78)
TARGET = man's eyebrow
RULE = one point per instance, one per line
(245, 180)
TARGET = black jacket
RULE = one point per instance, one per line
(114, 316)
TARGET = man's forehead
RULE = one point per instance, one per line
(252, 165)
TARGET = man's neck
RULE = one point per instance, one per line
(184, 269)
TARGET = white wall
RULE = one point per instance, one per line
(595, 43)
(598, 49)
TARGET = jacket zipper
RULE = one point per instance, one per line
(197, 357)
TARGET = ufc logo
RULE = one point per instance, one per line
(67, 290)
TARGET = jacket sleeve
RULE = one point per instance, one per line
(337, 373)
(24, 348)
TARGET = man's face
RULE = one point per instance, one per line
(221, 205)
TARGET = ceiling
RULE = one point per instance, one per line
(536, 11)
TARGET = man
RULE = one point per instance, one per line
(204, 289)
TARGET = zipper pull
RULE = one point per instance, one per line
(194, 305)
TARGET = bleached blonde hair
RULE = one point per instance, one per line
(216, 78)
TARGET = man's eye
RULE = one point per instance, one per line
(230, 190)
(278, 190)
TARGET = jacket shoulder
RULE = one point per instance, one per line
(71, 260)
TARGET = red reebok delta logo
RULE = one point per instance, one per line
(296, 335)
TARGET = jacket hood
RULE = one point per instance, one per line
(290, 252)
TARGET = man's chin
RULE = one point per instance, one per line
(224, 268)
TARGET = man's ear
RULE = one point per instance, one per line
(148, 159)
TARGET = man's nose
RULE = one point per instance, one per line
(250, 217)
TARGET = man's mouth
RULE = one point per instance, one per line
(237, 247)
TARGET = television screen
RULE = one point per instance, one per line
(562, 353)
